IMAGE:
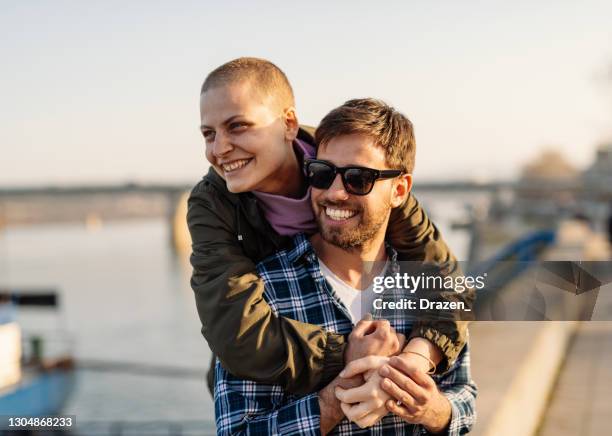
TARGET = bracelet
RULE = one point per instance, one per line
(432, 370)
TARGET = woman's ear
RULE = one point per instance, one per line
(401, 190)
(292, 124)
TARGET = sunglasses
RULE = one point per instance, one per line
(356, 180)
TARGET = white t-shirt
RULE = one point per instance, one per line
(357, 302)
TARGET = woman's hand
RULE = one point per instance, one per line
(364, 405)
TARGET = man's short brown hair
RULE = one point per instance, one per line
(266, 77)
(386, 126)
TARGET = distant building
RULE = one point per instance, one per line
(550, 166)
(551, 189)
(597, 179)
(547, 186)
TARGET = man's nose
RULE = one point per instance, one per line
(336, 191)
(221, 145)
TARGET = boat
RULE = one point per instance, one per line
(31, 383)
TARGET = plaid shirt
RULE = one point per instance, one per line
(295, 288)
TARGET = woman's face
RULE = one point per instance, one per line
(247, 136)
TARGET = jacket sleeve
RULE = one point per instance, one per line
(416, 238)
(241, 330)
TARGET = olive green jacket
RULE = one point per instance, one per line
(230, 235)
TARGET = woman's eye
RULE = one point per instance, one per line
(209, 135)
(237, 126)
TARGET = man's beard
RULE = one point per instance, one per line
(349, 239)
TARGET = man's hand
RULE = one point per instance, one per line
(364, 405)
(329, 405)
(421, 401)
(371, 337)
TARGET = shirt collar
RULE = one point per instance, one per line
(301, 247)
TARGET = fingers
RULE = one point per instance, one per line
(391, 388)
(351, 382)
(362, 365)
(402, 341)
(354, 395)
(400, 411)
(346, 409)
(394, 340)
(372, 418)
(363, 326)
(415, 374)
(383, 328)
(405, 383)
(355, 412)
(387, 334)
(369, 373)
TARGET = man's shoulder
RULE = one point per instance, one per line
(286, 259)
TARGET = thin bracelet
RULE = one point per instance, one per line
(432, 370)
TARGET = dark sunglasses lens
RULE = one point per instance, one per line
(320, 176)
(359, 181)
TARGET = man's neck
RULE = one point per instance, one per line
(353, 266)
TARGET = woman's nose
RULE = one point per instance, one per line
(221, 145)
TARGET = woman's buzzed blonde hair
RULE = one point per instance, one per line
(266, 77)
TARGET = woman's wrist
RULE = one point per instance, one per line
(424, 347)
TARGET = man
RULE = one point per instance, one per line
(365, 156)
(249, 205)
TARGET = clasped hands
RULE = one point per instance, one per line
(393, 380)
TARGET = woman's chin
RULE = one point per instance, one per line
(238, 186)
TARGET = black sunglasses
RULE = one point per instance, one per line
(356, 180)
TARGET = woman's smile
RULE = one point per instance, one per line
(235, 165)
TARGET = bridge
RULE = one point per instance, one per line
(24, 192)
(179, 188)
(94, 204)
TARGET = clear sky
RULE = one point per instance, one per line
(107, 91)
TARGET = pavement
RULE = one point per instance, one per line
(581, 402)
(547, 378)
(515, 365)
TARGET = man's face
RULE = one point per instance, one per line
(245, 134)
(347, 220)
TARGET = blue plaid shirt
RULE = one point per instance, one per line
(295, 288)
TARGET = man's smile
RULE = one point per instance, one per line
(337, 214)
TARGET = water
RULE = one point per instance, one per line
(125, 296)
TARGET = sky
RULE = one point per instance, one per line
(107, 91)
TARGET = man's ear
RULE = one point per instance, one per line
(401, 190)
(292, 124)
